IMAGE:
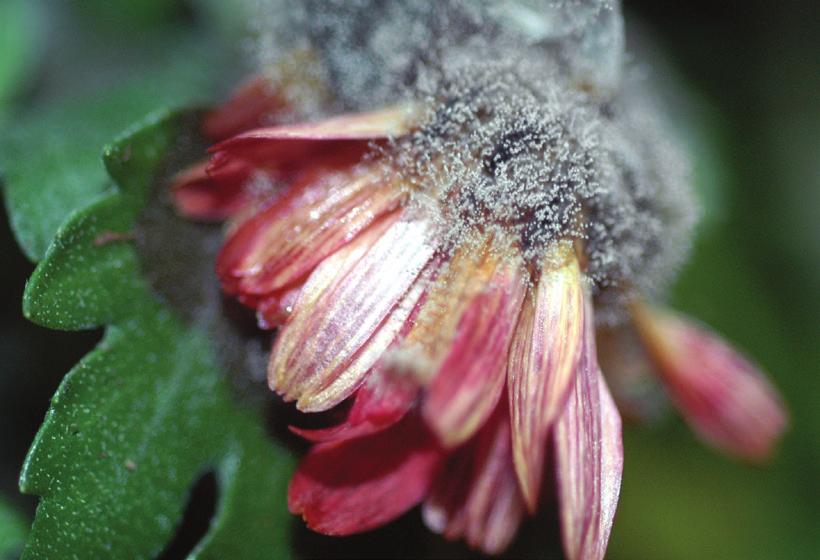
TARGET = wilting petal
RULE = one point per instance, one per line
(721, 394)
(476, 496)
(470, 380)
(382, 123)
(282, 244)
(381, 402)
(281, 146)
(357, 485)
(199, 196)
(543, 358)
(348, 313)
(588, 457)
(253, 104)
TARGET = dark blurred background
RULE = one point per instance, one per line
(749, 69)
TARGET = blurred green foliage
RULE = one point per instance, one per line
(19, 33)
(13, 529)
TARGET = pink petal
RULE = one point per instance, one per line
(470, 380)
(285, 145)
(725, 398)
(282, 244)
(348, 313)
(360, 484)
(543, 359)
(231, 261)
(589, 457)
(476, 496)
(381, 402)
(251, 105)
(382, 123)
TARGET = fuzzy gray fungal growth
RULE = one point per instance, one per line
(507, 150)
(531, 132)
(641, 225)
(367, 52)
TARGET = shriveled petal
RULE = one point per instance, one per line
(253, 104)
(543, 358)
(382, 123)
(476, 496)
(725, 398)
(360, 484)
(198, 196)
(588, 457)
(470, 380)
(348, 313)
(283, 243)
(381, 402)
(284, 145)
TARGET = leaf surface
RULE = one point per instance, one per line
(150, 410)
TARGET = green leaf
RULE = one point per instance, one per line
(146, 413)
(42, 191)
(13, 530)
(19, 34)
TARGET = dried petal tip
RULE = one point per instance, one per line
(588, 457)
(721, 394)
(543, 359)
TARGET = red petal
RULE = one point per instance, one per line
(348, 313)
(231, 264)
(361, 484)
(381, 402)
(273, 311)
(476, 496)
(725, 398)
(198, 196)
(468, 384)
(543, 359)
(253, 104)
(285, 158)
(282, 244)
(589, 457)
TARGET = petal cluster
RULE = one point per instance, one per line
(468, 369)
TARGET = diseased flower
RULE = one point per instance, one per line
(443, 264)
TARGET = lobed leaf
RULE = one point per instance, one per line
(146, 413)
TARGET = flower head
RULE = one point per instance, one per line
(444, 263)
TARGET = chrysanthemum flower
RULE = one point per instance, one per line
(442, 266)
